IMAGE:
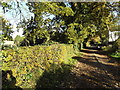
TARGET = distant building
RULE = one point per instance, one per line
(114, 35)
(8, 43)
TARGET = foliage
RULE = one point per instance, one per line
(116, 55)
(114, 49)
(115, 27)
(79, 22)
(74, 22)
(116, 45)
(28, 63)
(108, 49)
(7, 47)
(6, 29)
(57, 76)
(37, 30)
(89, 20)
(18, 40)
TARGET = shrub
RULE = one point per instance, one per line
(28, 63)
(117, 45)
(6, 47)
(116, 55)
(113, 48)
(107, 48)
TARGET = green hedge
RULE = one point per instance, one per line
(28, 63)
(117, 45)
(113, 48)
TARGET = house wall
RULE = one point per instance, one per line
(113, 35)
(11, 43)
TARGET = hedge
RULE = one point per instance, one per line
(28, 63)
(117, 45)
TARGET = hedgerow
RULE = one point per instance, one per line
(28, 63)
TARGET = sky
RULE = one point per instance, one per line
(14, 18)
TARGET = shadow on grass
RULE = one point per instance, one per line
(9, 81)
(56, 76)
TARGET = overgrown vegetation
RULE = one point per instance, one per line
(113, 50)
(28, 63)
(116, 53)
(72, 23)
(40, 52)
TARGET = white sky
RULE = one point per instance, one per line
(17, 32)
(14, 18)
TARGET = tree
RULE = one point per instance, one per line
(90, 19)
(75, 23)
(18, 40)
(39, 30)
(79, 21)
(6, 30)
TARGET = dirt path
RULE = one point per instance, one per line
(95, 70)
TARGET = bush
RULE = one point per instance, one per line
(116, 55)
(6, 47)
(107, 49)
(117, 45)
(28, 63)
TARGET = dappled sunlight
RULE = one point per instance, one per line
(87, 73)
(98, 70)
(63, 44)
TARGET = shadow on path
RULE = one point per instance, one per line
(64, 77)
(88, 73)
(106, 72)
(92, 51)
(114, 70)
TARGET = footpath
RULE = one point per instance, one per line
(95, 70)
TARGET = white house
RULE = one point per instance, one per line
(114, 35)
(8, 43)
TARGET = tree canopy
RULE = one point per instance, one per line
(74, 22)
(6, 29)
